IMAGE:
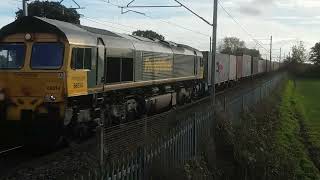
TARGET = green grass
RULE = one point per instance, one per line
(308, 91)
(291, 150)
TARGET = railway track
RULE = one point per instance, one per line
(11, 157)
(8, 150)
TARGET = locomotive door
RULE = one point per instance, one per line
(195, 64)
(100, 62)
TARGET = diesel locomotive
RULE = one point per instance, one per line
(55, 76)
(58, 78)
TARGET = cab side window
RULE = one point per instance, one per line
(81, 58)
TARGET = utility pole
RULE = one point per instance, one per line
(270, 53)
(214, 43)
(25, 7)
(280, 55)
(210, 43)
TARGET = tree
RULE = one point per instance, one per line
(299, 54)
(148, 34)
(231, 45)
(234, 46)
(52, 10)
(315, 54)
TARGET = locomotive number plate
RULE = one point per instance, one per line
(78, 85)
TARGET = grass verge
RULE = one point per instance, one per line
(290, 143)
(307, 94)
(270, 143)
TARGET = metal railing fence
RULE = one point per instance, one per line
(169, 140)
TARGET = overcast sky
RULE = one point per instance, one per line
(288, 21)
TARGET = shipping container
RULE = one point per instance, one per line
(233, 68)
(255, 65)
(273, 65)
(222, 68)
(262, 66)
(268, 66)
(276, 66)
(239, 67)
(246, 66)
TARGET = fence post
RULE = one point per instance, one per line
(260, 93)
(195, 134)
(100, 139)
(243, 103)
(225, 103)
(145, 129)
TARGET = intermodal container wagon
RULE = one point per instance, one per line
(246, 66)
(233, 68)
(262, 65)
(268, 66)
(255, 65)
(222, 68)
(239, 67)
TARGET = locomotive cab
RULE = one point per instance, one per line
(32, 80)
(31, 74)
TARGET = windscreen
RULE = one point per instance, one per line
(12, 56)
(47, 56)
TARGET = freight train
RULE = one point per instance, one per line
(58, 78)
(230, 68)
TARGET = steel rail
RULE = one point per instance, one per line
(11, 149)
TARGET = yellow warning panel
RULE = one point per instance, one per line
(77, 83)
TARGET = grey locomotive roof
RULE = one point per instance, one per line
(75, 34)
(83, 35)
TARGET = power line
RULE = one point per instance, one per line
(108, 1)
(75, 2)
(167, 22)
(194, 13)
(102, 23)
(237, 22)
(179, 26)
(115, 23)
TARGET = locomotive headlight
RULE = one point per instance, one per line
(50, 98)
(28, 37)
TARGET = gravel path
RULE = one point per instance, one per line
(67, 162)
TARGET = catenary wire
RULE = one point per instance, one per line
(241, 26)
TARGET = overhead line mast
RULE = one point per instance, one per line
(270, 53)
(214, 47)
(25, 7)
